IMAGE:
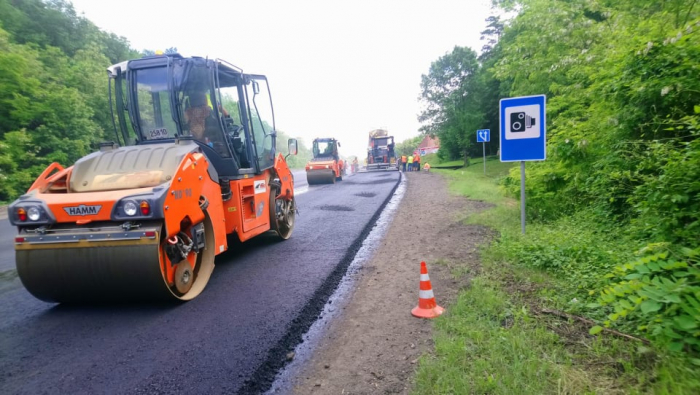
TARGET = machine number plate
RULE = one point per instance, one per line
(161, 133)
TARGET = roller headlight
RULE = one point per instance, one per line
(34, 213)
(130, 208)
(27, 212)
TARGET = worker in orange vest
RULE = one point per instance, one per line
(403, 162)
(416, 162)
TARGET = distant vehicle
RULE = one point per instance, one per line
(326, 166)
(380, 151)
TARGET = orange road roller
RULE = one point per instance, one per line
(142, 219)
(326, 166)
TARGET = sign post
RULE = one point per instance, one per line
(483, 136)
(523, 125)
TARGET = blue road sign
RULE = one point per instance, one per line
(483, 136)
(523, 129)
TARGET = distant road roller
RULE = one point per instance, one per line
(326, 166)
(143, 218)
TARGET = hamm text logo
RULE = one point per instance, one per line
(82, 210)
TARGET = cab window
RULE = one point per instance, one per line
(153, 105)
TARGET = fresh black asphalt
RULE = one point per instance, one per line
(233, 338)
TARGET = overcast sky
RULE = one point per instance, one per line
(336, 68)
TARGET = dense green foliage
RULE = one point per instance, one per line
(407, 147)
(623, 162)
(53, 88)
(661, 290)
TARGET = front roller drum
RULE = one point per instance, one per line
(326, 176)
(115, 271)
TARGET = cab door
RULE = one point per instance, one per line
(262, 121)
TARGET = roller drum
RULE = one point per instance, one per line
(108, 271)
(124, 272)
(326, 176)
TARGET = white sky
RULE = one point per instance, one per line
(336, 68)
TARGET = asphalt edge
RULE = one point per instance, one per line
(264, 376)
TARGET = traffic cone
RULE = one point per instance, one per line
(427, 306)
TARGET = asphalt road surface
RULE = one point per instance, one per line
(232, 338)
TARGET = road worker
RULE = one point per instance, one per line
(410, 163)
(416, 162)
(404, 159)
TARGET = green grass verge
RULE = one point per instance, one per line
(500, 338)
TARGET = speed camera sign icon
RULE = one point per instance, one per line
(522, 122)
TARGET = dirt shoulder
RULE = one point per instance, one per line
(374, 346)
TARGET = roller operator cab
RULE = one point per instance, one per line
(143, 218)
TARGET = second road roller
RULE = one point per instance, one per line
(326, 166)
(142, 219)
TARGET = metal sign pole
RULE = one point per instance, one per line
(484, 146)
(522, 195)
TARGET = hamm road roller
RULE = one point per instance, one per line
(326, 165)
(143, 218)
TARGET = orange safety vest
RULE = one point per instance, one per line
(416, 159)
(403, 159)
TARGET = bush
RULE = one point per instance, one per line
(659, 293)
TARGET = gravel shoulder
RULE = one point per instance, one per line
(373, 347)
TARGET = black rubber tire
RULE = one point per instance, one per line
(284, 227)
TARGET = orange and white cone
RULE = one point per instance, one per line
(427, 306)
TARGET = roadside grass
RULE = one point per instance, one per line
(515, 330)
(445, 164)
(435, 161)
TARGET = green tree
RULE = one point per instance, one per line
(451, 92)
(53, 90)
